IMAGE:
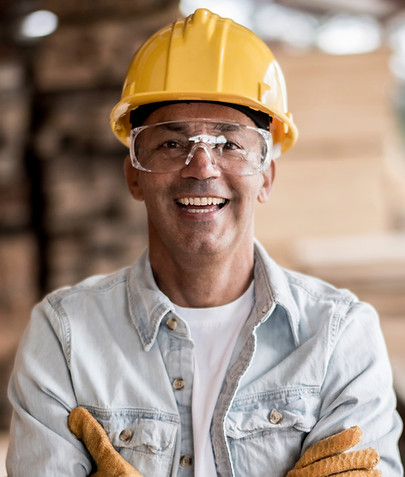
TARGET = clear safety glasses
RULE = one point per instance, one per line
(171, 145)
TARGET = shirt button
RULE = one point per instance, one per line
(171, 323)
(178, 384)
(275, 417)
(186, 460)
(126, 435)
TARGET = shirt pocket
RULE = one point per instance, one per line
(145, 439)
(266, 431)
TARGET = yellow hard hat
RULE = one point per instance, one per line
(205, 57)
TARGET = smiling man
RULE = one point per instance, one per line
(204, 357)
(200, 216)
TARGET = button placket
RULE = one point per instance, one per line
(179, 384)
(177, 352)
(186, 460)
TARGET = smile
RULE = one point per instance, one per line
(201, 205)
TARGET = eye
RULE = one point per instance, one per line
(171, 144)
(230, 146)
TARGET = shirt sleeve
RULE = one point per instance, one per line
(42, 396)
(358, 388)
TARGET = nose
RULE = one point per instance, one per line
(200, 163)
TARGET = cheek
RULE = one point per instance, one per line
(147, 187)
(247, 191)
(150, 199)
(155, 197)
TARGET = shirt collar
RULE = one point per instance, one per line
(274, 288)
(148, 305)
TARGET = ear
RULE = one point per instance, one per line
(268, 179)
(132, 178)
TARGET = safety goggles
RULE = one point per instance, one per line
(171, 145)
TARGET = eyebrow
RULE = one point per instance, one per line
(181, 126)
(184, 126)
(224, 127)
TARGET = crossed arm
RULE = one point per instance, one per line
(326, 458)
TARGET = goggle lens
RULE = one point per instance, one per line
(169, 146)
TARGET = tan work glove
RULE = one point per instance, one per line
(329, 457)
(108, 460)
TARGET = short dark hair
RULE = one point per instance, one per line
(139, 115)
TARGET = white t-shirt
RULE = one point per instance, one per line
(214, 332)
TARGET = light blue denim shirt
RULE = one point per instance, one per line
(310, 361)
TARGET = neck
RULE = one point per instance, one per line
(200, 281)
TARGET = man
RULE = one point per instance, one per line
(205, 357)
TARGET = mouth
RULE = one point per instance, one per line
(201, 205)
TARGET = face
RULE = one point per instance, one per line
(199, 209)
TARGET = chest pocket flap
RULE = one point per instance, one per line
(146, 439)
(293, 408)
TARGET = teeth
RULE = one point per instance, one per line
(201, 201)
(199, 211)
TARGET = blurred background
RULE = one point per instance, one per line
(337, 209)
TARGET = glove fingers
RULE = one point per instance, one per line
(349, 473)
(109, 461)
(330, 446)
(361, 473)
(356, 461)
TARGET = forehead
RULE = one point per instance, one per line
(180, 111)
